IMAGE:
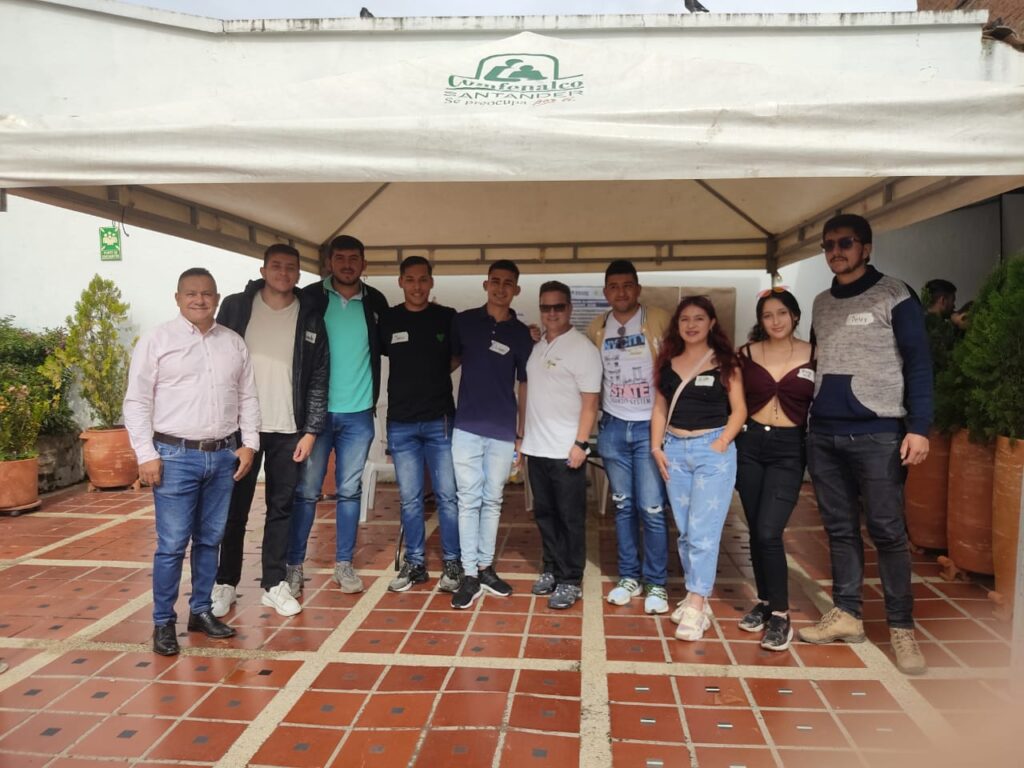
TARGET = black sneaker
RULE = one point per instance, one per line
(468, 591)
(756, 618)
(779, 634)
(411, 573)
(490, 581)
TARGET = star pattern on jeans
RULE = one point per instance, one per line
(700, 482)
(674, 466)
(684, 500)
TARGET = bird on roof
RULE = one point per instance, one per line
(364, 13)
(694, 6)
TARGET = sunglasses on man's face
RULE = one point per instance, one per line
(844, 243)
(545, 308)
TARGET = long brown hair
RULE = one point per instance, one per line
(719, 342)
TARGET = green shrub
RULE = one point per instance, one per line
(22, 352)
(22, 410)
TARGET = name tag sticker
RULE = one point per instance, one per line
(860, 318)
(501, 349)
(398, 338)
(704, 381)
(311, 337)
(805, 373)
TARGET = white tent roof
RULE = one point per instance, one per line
(559, 149)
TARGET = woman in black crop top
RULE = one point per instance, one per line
(691, 435)
(778, 381)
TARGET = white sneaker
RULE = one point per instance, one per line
(656, 600)
(223, 597)
(692, 623)
(624, 591)
(677, 614)
(280, 599)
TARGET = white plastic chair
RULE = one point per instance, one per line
(377, 464)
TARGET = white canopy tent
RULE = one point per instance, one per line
(561, 149)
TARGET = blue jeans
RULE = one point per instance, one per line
(700, 485)
(349, 435)
(482, 465)
(191, 504)
(410, 444)
(625, 448)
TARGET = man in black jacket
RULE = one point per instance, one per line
(351, 311)
(287, 342)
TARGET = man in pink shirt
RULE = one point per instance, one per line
(191, 391)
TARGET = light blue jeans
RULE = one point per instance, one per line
(412, 443)
(482, 466)
(349, 435)
(700, 486)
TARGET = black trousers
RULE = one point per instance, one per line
(560, 509)
(863, 473)
(769, 471)
(282, 475)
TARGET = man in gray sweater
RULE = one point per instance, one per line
(869, 420)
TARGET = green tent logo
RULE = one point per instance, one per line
(514, 78)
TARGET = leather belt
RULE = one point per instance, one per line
(228, 442)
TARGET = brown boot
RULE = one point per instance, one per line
(835, 625)
(909, 659)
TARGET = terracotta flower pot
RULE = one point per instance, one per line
(1006, 516)
(109, 459)
(969, 512)
(19, 484)
(925, 495)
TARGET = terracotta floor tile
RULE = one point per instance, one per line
(630, 754)
(122, 736)
(268, 673)
(458, 749)
(228, 703)
(955, 629)
(338, 676)
(199, 740)
(641, 689)
(516, 603)
(396, 710)
(470, 709)
(635, 649)
(934, 654)
(79, 663)
(803, 729)
(723, 726)
(936, 609)
(480, 679)
(165, 699)
(556, 624)
(700, 652)
(199, 669)
(753, 654)
(329, 708)
(784, 694)
(97, 695)
(549, 683)
(432, 643)
(816, 758)
(380, 619)
(857, 695)
(48, 732)
(646, 722)
(957, 694)
(492, 646)
(298, 747)
(85, 762)
(735, 757)
(140, 666)
(377, 749)
(11, 718)
(33, 692)
(543, 713)
(23, 760)
(373, 641)
(413, 679)
(981, 655)
(449, 621)
(290, 640)
(404, 601)
(565, 648)
(539, 750)
(499, 623)
(711, 692)
(890, 730)
(831, 655)
(630, 626)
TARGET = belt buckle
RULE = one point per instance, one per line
(209, 445)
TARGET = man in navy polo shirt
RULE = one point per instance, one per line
(494, 347)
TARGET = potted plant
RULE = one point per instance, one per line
(98, 357)
(22, 410)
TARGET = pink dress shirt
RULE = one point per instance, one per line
(189, 384)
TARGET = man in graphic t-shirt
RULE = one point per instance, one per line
(629, 337)
(416, 335)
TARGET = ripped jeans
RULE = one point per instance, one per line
(639, 497)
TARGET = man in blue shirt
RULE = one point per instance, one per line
(493, 346)
(351, 311)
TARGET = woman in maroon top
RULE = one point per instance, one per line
(778, 383)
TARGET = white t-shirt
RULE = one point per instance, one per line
(270, 337)
(557, 373)
(628, 391)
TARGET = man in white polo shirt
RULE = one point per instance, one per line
(567, 369)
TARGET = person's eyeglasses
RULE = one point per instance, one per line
(844, 243)
(545, 308)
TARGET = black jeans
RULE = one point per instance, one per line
(851, 473)
(282, 475)
(769, 471)
(560, 509)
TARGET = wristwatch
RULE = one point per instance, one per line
(583, 446)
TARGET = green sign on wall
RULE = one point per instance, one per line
(110, 244)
